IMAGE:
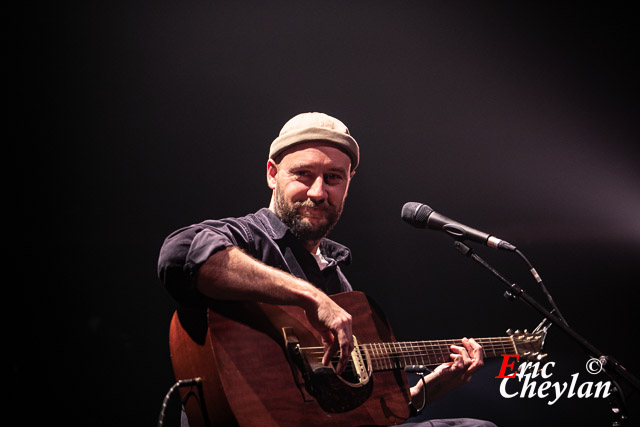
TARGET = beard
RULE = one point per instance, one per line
(301, 227)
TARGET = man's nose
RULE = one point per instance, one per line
(317, 189)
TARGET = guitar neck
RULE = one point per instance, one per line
(398, 355)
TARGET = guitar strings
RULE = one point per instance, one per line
(391, 353)
(418, 349)
(440, 343)
(408, 346)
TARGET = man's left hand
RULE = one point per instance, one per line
(465, 361)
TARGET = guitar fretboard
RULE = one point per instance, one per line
(397, 355)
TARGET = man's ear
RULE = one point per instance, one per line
(349, 182)
(272, 171)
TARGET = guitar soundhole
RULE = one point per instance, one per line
(357, 371)
(344, 392)
(334, 393)
(349, 375)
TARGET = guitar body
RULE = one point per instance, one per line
(239, 352)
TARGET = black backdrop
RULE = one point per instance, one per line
(137, 118)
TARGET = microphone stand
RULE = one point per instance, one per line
(610, 365)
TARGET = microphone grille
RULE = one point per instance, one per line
(416, 214)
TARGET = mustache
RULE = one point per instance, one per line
(311, 204)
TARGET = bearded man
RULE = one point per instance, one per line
(281, 255)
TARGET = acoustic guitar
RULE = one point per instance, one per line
(260, 365)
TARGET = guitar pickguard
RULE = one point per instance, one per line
(334, 393)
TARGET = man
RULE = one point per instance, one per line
(281, 255)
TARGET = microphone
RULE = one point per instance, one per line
(422, 216)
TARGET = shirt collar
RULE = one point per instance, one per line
(270, 220)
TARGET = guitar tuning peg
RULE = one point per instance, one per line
(509, 331)
(526, 331)
(518, 331)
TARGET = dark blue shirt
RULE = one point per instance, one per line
(261, 235)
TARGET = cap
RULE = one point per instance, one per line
(307, 127)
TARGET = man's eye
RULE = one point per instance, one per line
(333, 178)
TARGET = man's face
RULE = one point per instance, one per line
(310, 186)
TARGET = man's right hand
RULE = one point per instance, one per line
(335, 327)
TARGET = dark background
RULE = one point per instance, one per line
(137, 118)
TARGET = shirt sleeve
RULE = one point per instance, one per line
(185, 250)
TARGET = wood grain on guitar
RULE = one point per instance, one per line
(260, 364)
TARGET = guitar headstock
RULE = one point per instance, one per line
(529, 344)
